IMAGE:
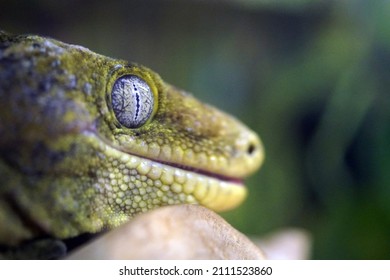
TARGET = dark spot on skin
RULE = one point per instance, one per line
(91, 174)
(55, 63)
(44, 85)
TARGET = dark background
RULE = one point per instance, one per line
(311, 77)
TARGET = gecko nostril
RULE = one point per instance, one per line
(251, 149)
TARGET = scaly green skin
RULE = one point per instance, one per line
(67, 166)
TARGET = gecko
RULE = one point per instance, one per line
(88, 141)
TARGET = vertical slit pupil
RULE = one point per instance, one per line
(137, 101)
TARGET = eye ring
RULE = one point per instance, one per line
(132, 101)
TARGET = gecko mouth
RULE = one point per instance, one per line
(172, 183)
(200, 171)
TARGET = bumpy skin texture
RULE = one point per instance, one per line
(67, 166)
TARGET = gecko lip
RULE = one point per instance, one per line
(198, 171)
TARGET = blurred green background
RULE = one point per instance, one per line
(311, 77)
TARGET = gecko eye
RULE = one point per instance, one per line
(132, 101)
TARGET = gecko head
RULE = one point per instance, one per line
(195, 152)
